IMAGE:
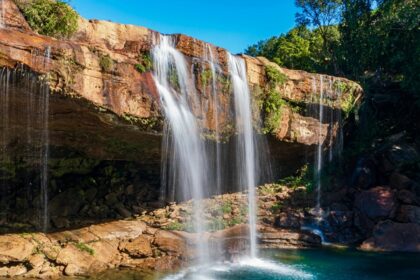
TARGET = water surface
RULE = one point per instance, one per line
(326, 264)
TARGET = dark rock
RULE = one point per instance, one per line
(409, 214)
(399, 181)
(287, 220)
(407, 197)
(376, 203)
(122, 210)
(391, 236)
(364, 176)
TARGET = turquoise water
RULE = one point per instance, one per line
(297, 264)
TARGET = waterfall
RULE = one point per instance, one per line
(319, 154)
(331, 123)
(245, 152)
(185, 162)
(210, 58)
(45, 146)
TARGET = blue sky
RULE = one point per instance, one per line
(232, 24)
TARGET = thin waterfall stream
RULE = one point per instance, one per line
(246, 143)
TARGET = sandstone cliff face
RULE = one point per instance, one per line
(75, 69)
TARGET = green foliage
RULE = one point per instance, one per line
(226, 207)
(272, 107)
(175, 226)
(274, 76)
(303, 178)
(145, 63)
(84, 248)
(206, 76)
(277, 207)
(301, 48)
(106, 63)
(51, 18)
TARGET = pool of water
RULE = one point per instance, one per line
(326, 264)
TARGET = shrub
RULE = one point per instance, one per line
(274, 76)
(272, 108)
(106, 63)
(51, 18)
(301, 179)
(145, 63)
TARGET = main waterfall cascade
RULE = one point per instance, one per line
(186, 159)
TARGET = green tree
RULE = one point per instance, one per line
(49, 17)
(322, 15)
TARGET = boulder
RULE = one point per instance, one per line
(376, 203)
(14, 248)
(391, 236)
(137, 248)
(287, 220)
(409, 214)
(170, 242)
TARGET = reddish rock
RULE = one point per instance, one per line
(139, 247)
(391, 236)
(376, 203)
(170, 242)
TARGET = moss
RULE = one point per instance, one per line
(51, 18)
(106, 63)
(84, 248)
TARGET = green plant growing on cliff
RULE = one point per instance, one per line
(175, 226)
(272, 107)
(106, 63)
(303, 178)
(84, 248)
(205, 76)
(145, 63)
(51, 18)
(274, 76)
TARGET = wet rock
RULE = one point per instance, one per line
(391, 236)
(170, 242)
(376, 203)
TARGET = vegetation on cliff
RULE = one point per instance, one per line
(373, 42)
(51, 18)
